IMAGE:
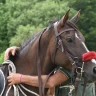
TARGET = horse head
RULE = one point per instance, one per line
(71, 43)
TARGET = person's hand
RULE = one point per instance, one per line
(10, 51)
(14, 78)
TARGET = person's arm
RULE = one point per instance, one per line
(54, 80)
(10, 51)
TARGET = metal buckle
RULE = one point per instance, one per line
(79, 72)
(76, 59)
(59, 42)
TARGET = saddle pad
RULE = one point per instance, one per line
(2, 82)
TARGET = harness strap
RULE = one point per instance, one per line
(28, 90)
(76, 88)
(12, 69)
(46, 81)
(84, 88)
(57, 36)
(39, 64)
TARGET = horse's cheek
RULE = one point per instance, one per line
(61, 59)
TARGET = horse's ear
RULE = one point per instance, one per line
(75, 18)
(64, 18)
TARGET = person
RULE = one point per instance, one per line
(60, 85)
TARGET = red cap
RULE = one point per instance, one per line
(88, 56)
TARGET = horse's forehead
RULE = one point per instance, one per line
(79, 35)
(76, 32)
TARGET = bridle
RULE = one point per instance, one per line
(60, 45)
(74, 59)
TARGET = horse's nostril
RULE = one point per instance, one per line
(94, 70)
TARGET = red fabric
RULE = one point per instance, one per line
(88, 56)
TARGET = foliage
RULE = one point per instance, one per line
(19, 19)
(27, 17)
(22, 33)
(3, 27)
(87, 22)
(1, 58)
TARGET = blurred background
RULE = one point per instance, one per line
(19, 19)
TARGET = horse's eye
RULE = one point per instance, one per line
(69, 39)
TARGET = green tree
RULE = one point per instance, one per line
(19, 19)
(33, 14)
(87, 22)
(3, 1)
(3, 27)
(1, 58)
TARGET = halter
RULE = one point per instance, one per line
(59, 44)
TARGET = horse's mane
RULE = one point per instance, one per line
(30, 40)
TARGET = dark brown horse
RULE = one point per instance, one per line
(57, 45)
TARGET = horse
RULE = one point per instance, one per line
(59, 44)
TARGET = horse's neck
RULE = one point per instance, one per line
(47, 44)
(26, 61)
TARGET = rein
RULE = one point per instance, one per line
(39, 64)
(41, 88)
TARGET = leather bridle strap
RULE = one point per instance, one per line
(39, 64)
(59, 40)
(57, 37)
(46, 81)
(71, 29)
(64, 49)
(76, 88)
(84, 87)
